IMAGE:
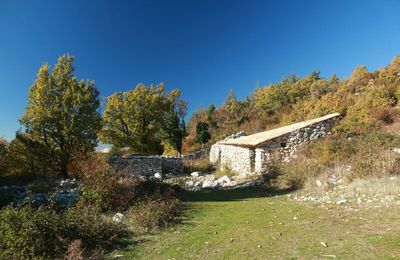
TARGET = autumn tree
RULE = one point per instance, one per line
(138, 118)
(61, 114)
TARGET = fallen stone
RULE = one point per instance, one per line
(189, 183)
(118, 217)
(195, 174)
(207, 184)
(341, 201)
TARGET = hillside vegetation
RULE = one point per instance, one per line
(367, 100)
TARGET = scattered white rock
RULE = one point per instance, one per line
(324, 244)
(342, 201)
(195, 174)
(118, 217)
(224, 181)
(106, 150)
(189, 183)
(207, 184)
(396, 150)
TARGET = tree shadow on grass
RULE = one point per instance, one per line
(232, 194)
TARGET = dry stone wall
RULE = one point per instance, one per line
(146, 166)
(201, 154)
(235, 158)
(286, 146)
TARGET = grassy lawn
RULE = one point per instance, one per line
(263, 225)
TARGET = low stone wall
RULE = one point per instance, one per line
(197, 155)
(146, 166)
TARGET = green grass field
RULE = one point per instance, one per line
(263, 225)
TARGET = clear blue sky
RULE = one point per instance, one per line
(205, 48)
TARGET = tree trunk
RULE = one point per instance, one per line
(64, 166)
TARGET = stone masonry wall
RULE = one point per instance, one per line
(235, 158)
(201, 154)
(146, 166)
(245, 160)
(285, 146)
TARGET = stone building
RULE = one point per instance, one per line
(252, 153)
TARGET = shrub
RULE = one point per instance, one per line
(29, 233)
(43, 233)
(27, 158)
(293, 174)
(153, 213)
(201, 165)
(102, 187)
(85, 223)
(75, 250)
(374, 163)
(367, 154)
(226, 170)
(110, 191)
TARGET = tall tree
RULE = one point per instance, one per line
(202, 133)
(136, 118)
(62, 113)
(174, 129)
(3, 149)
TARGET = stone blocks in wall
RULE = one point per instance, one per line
(235, 158)
(146, 166)
(245, 160)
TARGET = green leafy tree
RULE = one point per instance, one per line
(202, 133)
(210, 111)
(174, 129)
(3, 150)
(61, 114)
(137, 118)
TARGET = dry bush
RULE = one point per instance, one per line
(224, 171)
(293, 174)
(374, 163)
(385, 116)
(200, 165)
(75, 250)
(153, 213)
(367, 155)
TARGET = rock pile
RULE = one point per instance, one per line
(198, 182)
(64, 194)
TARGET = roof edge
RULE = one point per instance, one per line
(241, 141)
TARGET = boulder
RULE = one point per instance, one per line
(158, 175)
(195, 174)
(118, 217)
(224, 181)
(207, 184)
(189, 183)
